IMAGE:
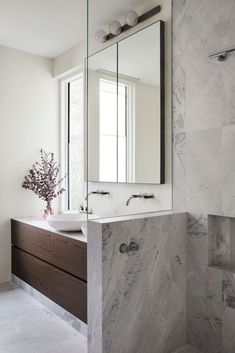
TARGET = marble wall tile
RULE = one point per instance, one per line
(214, 310)
(213, 327)
(229, 169)
(228, 73)
(203, 171)
(228, 289)
(204, 107)
(143, 293)
(228, 330)
(178, 99)
(209, 24)
(178, 28)
(197, 254)
(197, 322)
(179, 171)
(214, 285)
(201, 113)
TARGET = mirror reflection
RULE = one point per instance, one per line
(126, 110)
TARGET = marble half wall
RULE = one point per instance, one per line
(137, 300)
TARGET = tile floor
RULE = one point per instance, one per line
(187, 349)
(26, 326)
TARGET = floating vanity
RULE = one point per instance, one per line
(52, 262)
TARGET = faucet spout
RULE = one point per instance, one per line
(97, 192)
(133, 196)
(138, 196)
(86, 198)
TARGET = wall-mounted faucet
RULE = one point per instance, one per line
(139, 196)
(97, 192)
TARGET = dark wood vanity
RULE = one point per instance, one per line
(54, 263)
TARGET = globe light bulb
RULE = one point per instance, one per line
(101, 35)
(115, 28)
(131, 18)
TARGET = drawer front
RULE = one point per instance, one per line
(64, 289)
(70, 293)
(33, 240)
(68, 256)
(31, 270)
(63, 252)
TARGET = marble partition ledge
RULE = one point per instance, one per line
(137, 301)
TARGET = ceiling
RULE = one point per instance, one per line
(50, 27)
(44, 27)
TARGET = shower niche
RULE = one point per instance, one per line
(221, 238)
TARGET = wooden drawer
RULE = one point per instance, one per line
(33, 240)
(69, 255)
(64, 289)
(64, 252)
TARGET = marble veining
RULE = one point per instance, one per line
(142, 294)
(204, 167)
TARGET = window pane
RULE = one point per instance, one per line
(76, 146)
(122, 110)
(108, 107)
(122, 159)
(108, 158)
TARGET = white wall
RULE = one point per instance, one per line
(147, 133)
(28, 121)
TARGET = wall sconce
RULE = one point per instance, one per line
(131, 20)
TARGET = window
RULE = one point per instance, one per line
(73, 141)
(113, 131)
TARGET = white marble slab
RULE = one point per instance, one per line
(137, 301)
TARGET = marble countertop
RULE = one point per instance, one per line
(42, 224)
(134, 216)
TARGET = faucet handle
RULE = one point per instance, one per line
(148, 196)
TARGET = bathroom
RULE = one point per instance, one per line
(138, 254)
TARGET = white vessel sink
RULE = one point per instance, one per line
(67, 222)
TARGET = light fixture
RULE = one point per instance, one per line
(131, 18)
(221, 55)
(101, 35)
(115, 28)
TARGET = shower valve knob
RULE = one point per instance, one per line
(132, 246)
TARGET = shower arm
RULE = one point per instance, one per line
(221, 55)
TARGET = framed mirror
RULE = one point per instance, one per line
(126, 109)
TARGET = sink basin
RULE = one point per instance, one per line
(67, 222)
(70, 222)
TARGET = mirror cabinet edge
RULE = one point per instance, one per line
(162, 104)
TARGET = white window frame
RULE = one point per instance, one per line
(130, 124)
(64, 203)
